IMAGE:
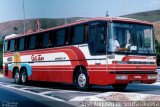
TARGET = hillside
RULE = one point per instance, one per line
(157, 30)
(17, 26)
(151, 16)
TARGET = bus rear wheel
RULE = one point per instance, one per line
(24, 76)
(82, 80)
(17, 77)
(119, 87)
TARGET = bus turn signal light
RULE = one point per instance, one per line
(152, 77)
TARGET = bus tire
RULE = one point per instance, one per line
(119, 87)
(81, 80)
(17, 77)
(24, 76)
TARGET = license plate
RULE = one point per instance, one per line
(137, 77)
(136, 82)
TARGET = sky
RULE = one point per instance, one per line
(13, 9)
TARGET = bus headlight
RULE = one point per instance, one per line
(152, 77)
(121, 77)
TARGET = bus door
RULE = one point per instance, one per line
(97, 46)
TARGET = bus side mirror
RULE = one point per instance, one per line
(133, 48)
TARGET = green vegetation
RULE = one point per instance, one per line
(1, 54)
(158, 52)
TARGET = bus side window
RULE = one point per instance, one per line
(91, 40)
(12, 45)
(32, 42)
(97, 38)
(71, 35)
(21, 44)
(77, 34)
(26, 42)
(38, 41)
(16, 45)
(66, 36)
(6, 46)
(60, 37)
(100, 39)
(53, 38)
(46, 41)
(86, 33)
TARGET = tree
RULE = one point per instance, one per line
(157, 52)
(1, 53)
(15, 30)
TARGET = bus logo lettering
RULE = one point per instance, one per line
(9, 59)
(37, 58)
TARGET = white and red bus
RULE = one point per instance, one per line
(101, 51)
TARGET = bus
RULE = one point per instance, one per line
(97, 51)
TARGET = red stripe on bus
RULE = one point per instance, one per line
(73, 53)
(127, 58)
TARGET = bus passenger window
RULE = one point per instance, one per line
(6, 46)
(66, 36)
(21, 44)
(78, 34)
(50, 44)
(60, 38)
(91, 40)
(32, 42)
(12, 45)
(38, 41)
(46, 42)
(16, 45)
(53, 38)
(86, 33)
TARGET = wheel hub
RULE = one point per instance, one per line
(24, 77)
(82, 80)
(17, 77)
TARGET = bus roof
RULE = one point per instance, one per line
(81, 21)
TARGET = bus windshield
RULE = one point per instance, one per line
(131, 38)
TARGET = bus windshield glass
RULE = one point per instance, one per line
(131, 38)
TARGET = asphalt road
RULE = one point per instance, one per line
(10, 97)
(44, 94)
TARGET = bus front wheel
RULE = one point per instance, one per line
(81, 79)
(119, 87)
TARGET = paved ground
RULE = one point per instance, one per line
(64, 92)
(15, 97)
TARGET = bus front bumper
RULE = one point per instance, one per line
(143, 77)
